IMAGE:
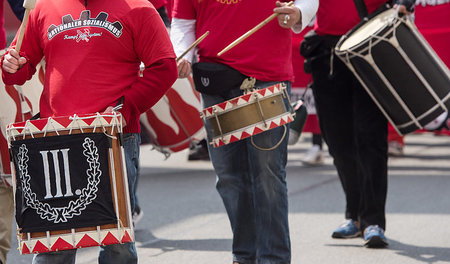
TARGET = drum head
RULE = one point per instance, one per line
(368, 29)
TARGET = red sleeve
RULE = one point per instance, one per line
(21, 76)
(154, 48)
(144, 93)
(152, 42)
(158, 3)
(183, 9)
(31, 50)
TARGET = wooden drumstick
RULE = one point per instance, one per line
(28, 4)
(193, 45)
(251, 31)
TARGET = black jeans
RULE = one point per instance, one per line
(355, 131)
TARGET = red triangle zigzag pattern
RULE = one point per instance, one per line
(66, 122)
(243, 99)
(82, 240)
(256, 129)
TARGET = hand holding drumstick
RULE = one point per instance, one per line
(184, 66)
(13, 61)
(288, 15)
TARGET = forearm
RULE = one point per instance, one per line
(21, 76)
(182, 35)
(148, 89)
(308, 9)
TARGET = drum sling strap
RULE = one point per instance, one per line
(362, 9)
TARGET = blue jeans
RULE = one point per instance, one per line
(252, 184)
(112, 254)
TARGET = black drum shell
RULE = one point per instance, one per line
(421, 82)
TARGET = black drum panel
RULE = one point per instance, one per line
(402, 78)
(424, 61)
(405, 129)
(380, 91)
(410, 84)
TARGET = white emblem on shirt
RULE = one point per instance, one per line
(205, 81)
(85, 20)
(432, 2)
(86, 35)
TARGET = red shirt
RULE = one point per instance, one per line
(336, 17)
(93, 54)
(158, 3)
(265, 55)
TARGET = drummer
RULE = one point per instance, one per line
(90, 69)
(353, 127)
(251, 182)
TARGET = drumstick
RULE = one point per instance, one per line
(193, 45)
(251, 31)
(28, 4)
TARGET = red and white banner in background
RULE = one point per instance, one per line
(18, 103)
(432, 18)
(300, 83)
(174, 122)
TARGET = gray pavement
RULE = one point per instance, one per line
(185, 221)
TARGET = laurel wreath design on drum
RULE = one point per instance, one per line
(74, 208)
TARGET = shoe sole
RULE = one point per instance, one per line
(341, 236)
(376, 242)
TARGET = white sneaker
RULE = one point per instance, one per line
(138, 214)
(314, 156)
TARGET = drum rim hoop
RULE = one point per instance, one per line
(384, 8)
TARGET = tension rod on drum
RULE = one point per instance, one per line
(218, 122)
(260, 112)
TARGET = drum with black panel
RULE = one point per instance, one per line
(399, 70)
(70, 183)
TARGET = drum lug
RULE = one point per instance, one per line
(248, 85)
(217, 121)
(286, 95)
(260, 111)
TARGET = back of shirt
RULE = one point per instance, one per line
(338, 17)
(262, 55)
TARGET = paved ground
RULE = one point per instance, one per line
(185, 221)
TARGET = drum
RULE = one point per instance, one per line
(398, 69)
(70, 183)
(173, 122)
(248, 114)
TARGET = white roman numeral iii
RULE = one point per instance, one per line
(65, 155)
